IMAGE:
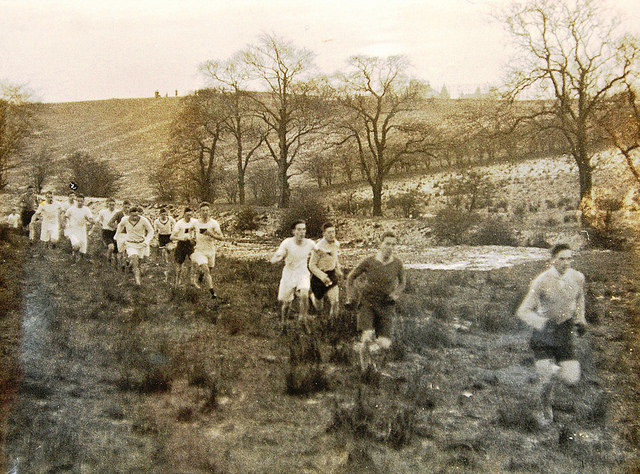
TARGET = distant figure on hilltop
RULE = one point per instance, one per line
(176, 92)
(157, 94)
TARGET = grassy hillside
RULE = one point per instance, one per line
(130, 133)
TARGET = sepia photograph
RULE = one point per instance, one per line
(319, 236)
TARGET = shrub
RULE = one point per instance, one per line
(551, 222)
(570, 218)
(93, 176)
(539, 241)
(494, 232)
(246, 219)
(450, 225)
(352, 206)
(401, 427)
(305, 379)
(408, 203)
(311, 209)
(519, 211)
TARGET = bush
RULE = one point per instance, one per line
(494, 232)
(352, 206)
(246, 219)
(539, 241)
(312, 210)
(408, 203)
(450, 225)
(93, 176)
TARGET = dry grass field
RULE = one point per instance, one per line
(113, 378)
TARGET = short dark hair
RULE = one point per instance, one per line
(80, 196)
(556, 249)
(188, 209)
(163, 209)
(135, 209)
(204, 204)
(126, 201)
(298, 221)
(386, 234)
(327, 225)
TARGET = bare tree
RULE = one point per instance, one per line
(378, 99)
(16, 124)
(290, 106)
(622, 124)
(41, 167)
(232, 77)
(93, 176)
(570, 53)
(196, 135)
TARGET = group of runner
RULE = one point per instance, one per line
(553, 307)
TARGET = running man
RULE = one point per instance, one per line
(28, 204)
(385, 283)
(163, 227)
(204, 252)
(119, 248)
(295, 274)
(553, 305)
(108, 231)
(184, 234)
(13, 219)
(51, 213)
(76, 220)
(139, 233)
(325, 271)
(71, 201)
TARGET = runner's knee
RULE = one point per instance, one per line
(570, 371)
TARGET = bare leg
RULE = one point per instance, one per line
(135, 265)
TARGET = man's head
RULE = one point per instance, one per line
(48, 196)
(388, 241)
(111, 204)
(299, 229)
(31, 190)
(163, 212)
(72, 197)
(134, 212)
(188, 214)
(14, 210)
(329, 232)
(561, 257)
(126, 206)
(204, 210)
(80, 200)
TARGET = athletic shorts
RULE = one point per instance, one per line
(292, 282)
(108, 237)
(78, 239)
(200, 258)
(25, 217)
(163, 240)
(50, 232)
(141, 249)
(378, 316)
(319, 289)
(120, 243)
(183, 250)
(553, 341)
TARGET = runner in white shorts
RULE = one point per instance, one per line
(50, 212)
(295, 274)
(163, 227)
(65, 207)
(139, 234)
(204, 253)
(77, 218)
(184, 235)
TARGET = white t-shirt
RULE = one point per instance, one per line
(12, 220)
(295, 256)
(104, 216)
(77, 217)
(50, 213)
(205, 243)
(182, 229)
(141, 231)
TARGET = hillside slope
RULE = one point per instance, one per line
(130, 133)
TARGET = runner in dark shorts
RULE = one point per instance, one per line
(553, 306)
(108, 237)
(318, 288)
(184, 249)
(184, 236)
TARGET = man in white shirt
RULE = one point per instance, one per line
(204, 252)
(77, 218)
(184, 234)
(553, 305)
(13, 219)
(50, 213)
(71, 201)
(294, 251)
(139, 234)
(119, 248)
(108, 230)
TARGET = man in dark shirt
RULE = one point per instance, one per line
(385, 283)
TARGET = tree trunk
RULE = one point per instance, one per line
(377, 198)
(283, 183)
(584, 173)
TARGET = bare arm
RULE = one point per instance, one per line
(280, 254)
(313, 265)
(527, 311)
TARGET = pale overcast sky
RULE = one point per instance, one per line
(71, 50)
